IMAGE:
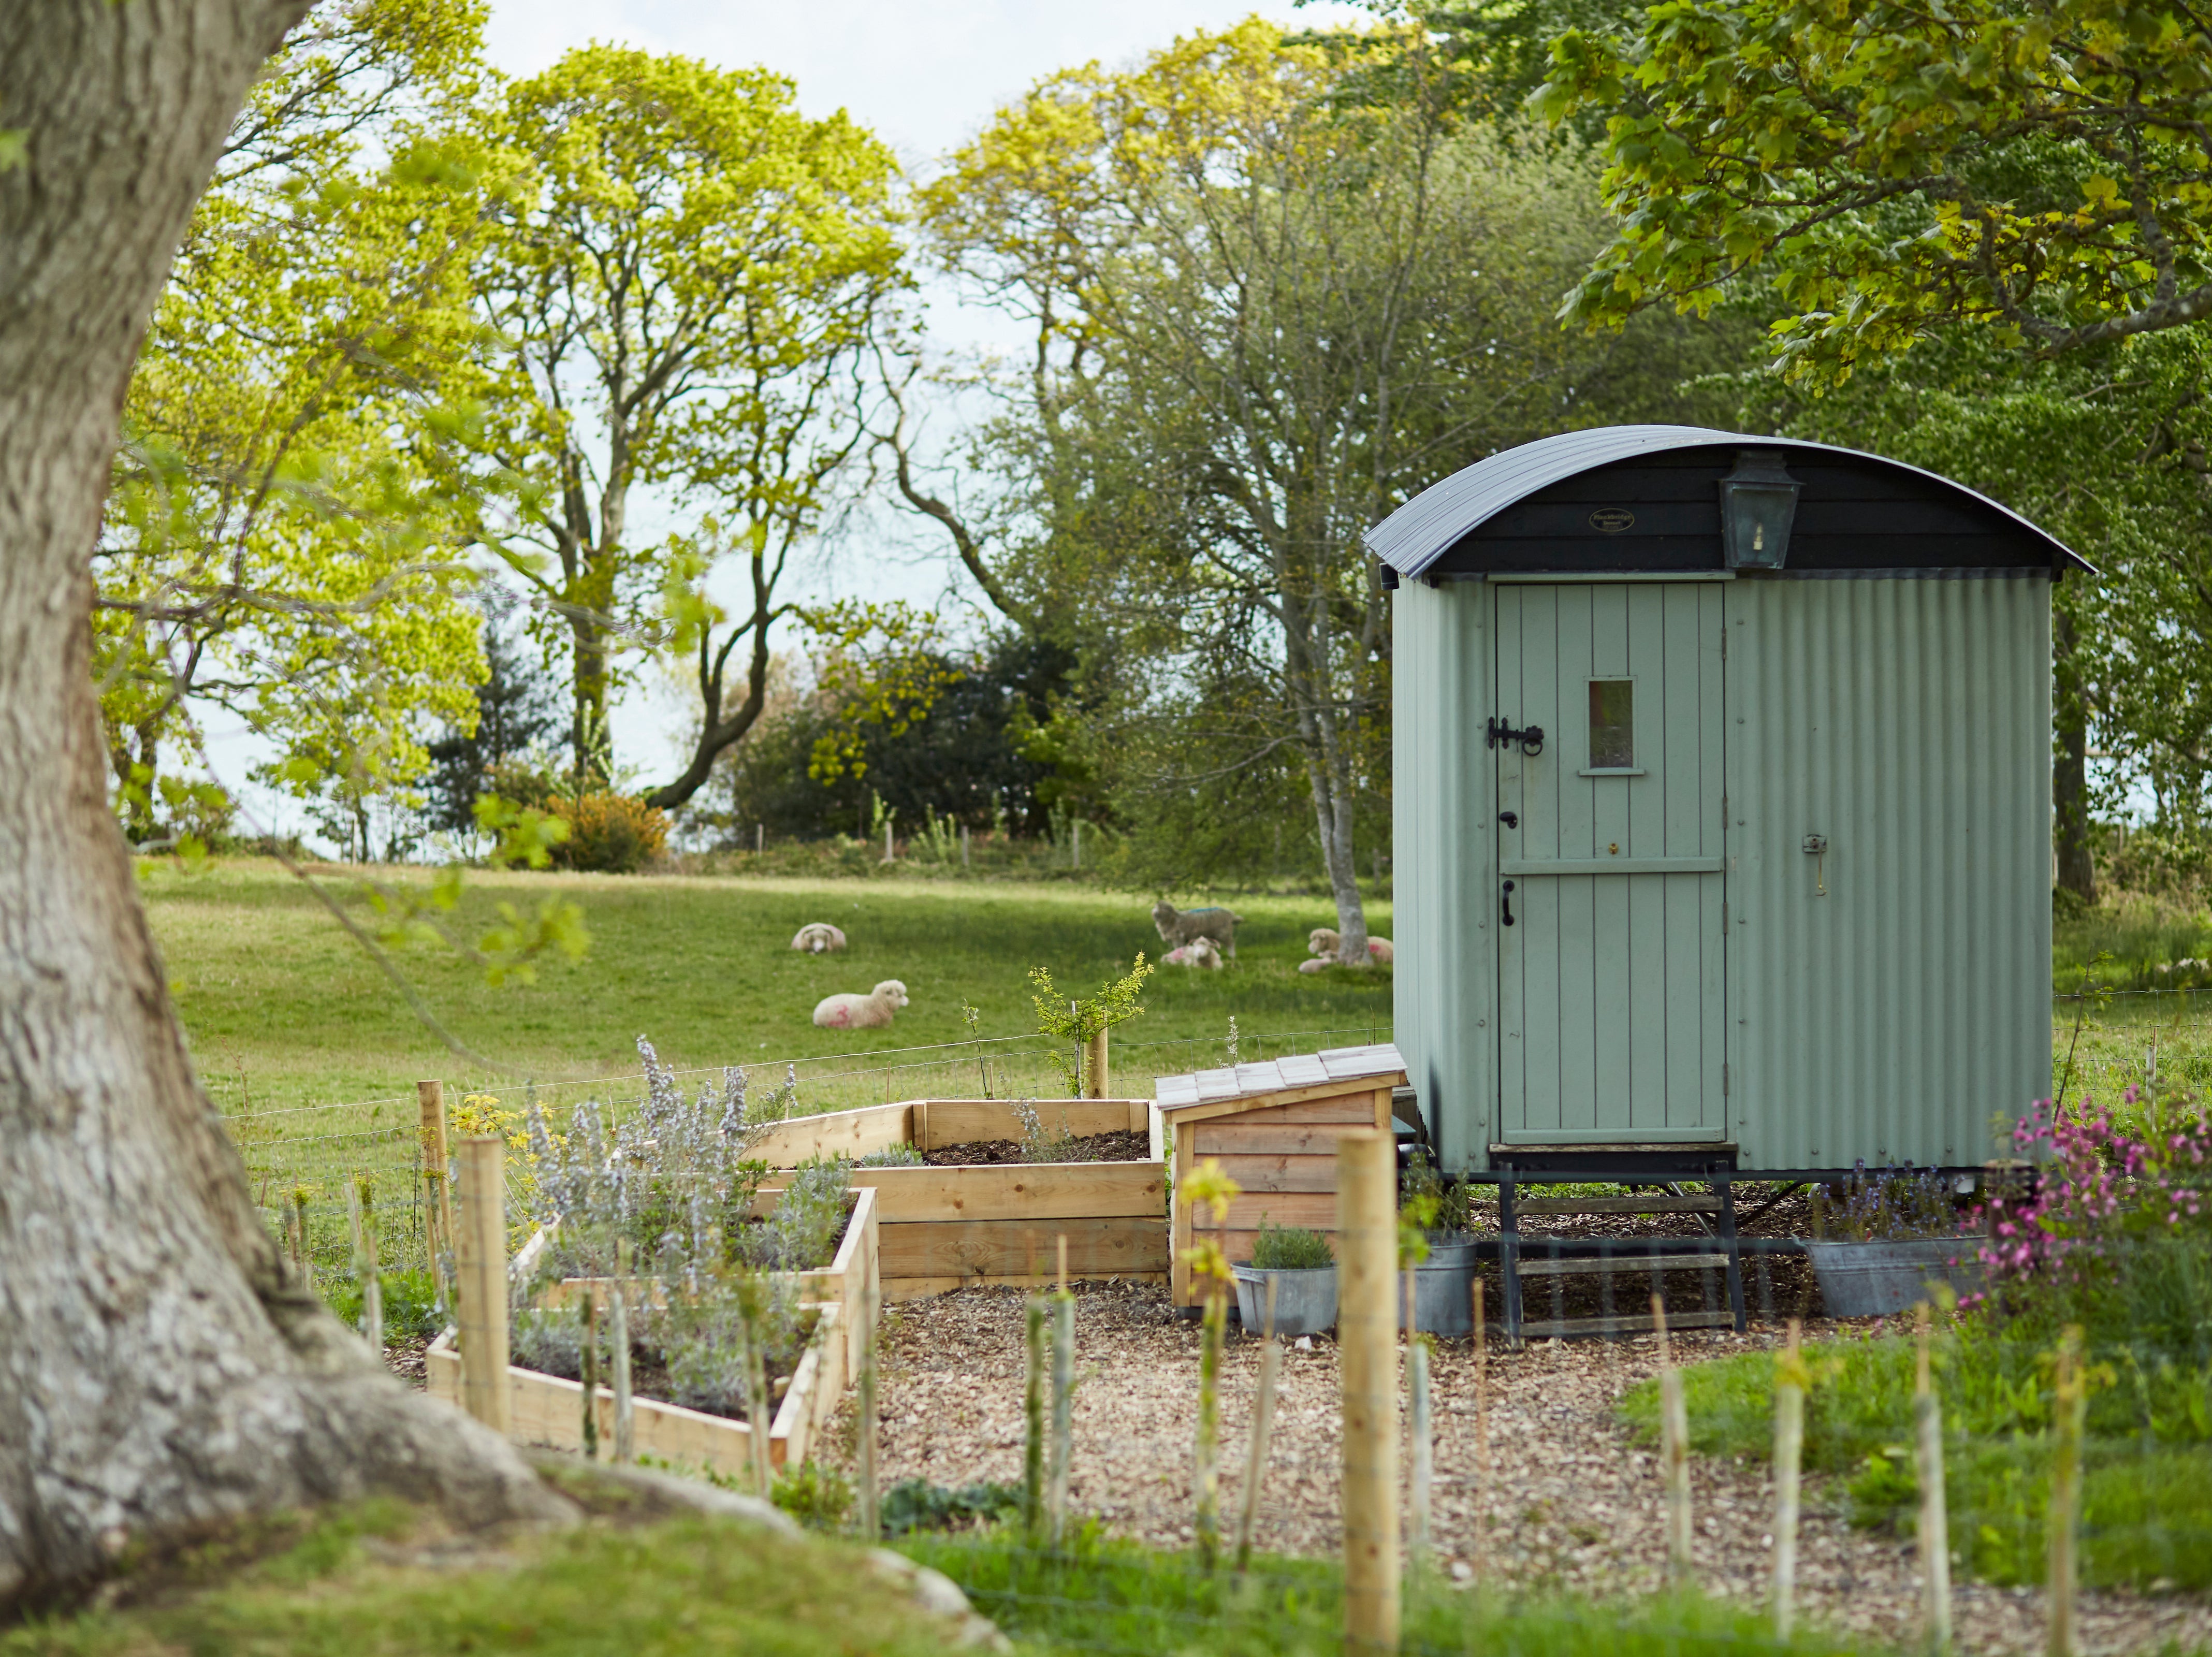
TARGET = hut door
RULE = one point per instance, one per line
(1610, 1011)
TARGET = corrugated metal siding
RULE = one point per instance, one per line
(1442, 854)
(1904, 1013)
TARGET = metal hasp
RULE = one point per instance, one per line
(1759, 500)
(1530, 737)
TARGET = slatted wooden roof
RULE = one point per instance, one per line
(1306, 1074)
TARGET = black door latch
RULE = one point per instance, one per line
(1505, 902)
(1530, 737)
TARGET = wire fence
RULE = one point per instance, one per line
(300, 1159)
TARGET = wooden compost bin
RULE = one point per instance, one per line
(548, 1410)
(1272, 1127)
(955, 1228)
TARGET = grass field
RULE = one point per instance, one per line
(285, 1010)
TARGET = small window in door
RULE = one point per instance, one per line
(1613, 725)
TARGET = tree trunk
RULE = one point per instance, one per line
(160, 1371)
(1329, 770)
(2069, 774)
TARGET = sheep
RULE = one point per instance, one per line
(861, 1012)
(1324, 943)
(816, 938)
(1199, 952)
(1180, 926)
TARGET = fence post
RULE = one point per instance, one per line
(480, 1264)
(2068, 1404)
(1367, 1252)
(1094, 1068)
(438, 1209)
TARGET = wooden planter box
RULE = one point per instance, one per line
(549, 1411)
(953, 1227)
(1272, 1127)
(850, 1282)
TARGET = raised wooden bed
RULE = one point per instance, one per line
(548, 1410)
(953, 1227)
(850, 1282)
(1272, 1127)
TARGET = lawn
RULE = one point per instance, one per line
(347, 1584)
(284, 1009)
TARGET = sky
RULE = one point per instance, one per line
(923, 74)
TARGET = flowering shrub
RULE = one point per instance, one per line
(2115, 1229)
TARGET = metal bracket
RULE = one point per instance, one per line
(1501, 734)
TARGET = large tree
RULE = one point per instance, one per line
(161, 1369)
(1276, 287)
(682, 277)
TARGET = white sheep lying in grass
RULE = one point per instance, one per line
(861, 1012)
(1199, 952)
(1324, 942)
(818, 938)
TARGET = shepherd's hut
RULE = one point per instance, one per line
(1722, 807)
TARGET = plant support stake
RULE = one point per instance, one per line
(588, 1370)
(1063, 1402)
(1789, 1377)
(1033, 1417)
(2069, 1403)
(362, 1213)
(865, 1449)
(618, 1338)
(1263, 1416)
(1482, 1428)
(480, 1268)
(1935, 1526)
(1417, 1416)
(1675, 1453)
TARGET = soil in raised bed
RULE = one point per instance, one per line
(1126, 1145)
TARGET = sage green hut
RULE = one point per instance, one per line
(1722, 773)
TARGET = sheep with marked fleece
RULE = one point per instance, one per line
(861, 1012)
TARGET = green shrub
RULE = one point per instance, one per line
(1287, 1249)
(411, 1303)
(915, 1504)
(608, 833)
(819, 1497)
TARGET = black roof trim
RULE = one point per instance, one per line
(1418, 534)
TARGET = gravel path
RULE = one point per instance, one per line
(1568, 1503)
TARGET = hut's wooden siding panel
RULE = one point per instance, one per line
(1445, 826)
(1909, 721)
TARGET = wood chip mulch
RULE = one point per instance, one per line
(1560, 1500)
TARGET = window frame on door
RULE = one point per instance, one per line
(1634, 741)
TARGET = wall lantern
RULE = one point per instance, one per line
(1758, 500)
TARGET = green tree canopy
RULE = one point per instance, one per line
(2043, 169)
(681, 284)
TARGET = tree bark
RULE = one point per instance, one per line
(160, 1371)
(2069, 772)
(1328, 767)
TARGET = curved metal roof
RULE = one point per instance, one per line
(1423, 530)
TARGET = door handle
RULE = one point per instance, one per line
(1505, 902)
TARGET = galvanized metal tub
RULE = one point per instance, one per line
(1305, 1302)
(1443, 1287)
(1876, 1279)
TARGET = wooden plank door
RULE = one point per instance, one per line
(1611, 1017)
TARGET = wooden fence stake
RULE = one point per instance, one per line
(438, 1207)
(480, 1265)
(1675, 1453)
(2070, 1405)
(1063, 1403)
(618, 1338)
(1789, 1453)
(1367, 1259)
(1263, 1418)
(1417, 1417)
(1935, 1523)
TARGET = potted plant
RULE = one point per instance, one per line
(1303, 1269)
(1442, 1263)
(1893, 1233)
